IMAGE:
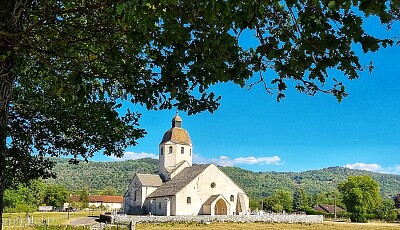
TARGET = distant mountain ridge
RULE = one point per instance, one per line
(117, 174)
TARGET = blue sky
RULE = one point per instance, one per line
(253, 131)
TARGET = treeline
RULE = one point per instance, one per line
(116, 175)
(27, 198)
(357, 198)
(97, 176)
(261, 184)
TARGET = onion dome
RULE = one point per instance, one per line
(177, 134)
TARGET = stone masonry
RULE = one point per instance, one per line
(266, 218)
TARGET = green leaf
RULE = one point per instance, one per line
(120, 8)
(332, 5)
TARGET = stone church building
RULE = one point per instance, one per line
(181, 188)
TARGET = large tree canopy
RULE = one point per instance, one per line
(66, 66)
(360, 195)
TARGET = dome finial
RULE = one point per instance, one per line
(177, 121)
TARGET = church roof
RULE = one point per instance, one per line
(180, 181)
(177, 118)
(177, 135)
(149, 180)
(212, 199)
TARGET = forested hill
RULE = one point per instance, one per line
(99, 175)
(259, 184)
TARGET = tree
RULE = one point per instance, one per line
(108, 191)
(24, 198)
(56, 195)
(386, 210)
(254, 203)
(66, 67)
(279, 201)
(360, 194)
(84, 198)
(300, 199)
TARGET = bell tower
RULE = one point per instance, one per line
(175, 149)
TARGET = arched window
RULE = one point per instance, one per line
(188, 200)
(134, 195)
(170, 150)
(159, 205)
(161, 151)
(232, 198)
(182, 150)
(190, 152)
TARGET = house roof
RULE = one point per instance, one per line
(99, 199)
(328, 208)
(177, 183)
(149, 180)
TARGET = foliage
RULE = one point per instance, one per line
(20, 199)
(279, 201)
(55, 195)
(300, 199)
(313, 182)
(316, 183)
(67, 67)
(27, 198)
(101, 178)
(84, 198)
(108, 191)
(360, 194)
(254, 204)
(386, 210)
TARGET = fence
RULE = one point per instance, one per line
(23, 222)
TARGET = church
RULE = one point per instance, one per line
(181, 188)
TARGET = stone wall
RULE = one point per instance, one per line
(266, 218)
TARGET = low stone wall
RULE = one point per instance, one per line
(266, 218)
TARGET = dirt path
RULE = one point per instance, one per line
(84, 221)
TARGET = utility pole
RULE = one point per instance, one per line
(334, 206)
(262, 205)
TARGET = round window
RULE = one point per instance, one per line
(213, 185)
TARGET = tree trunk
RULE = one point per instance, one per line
(11, 17)
(5, 96)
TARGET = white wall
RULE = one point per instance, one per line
(168, 161)
(200, 191)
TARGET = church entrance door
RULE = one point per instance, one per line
(220, 207)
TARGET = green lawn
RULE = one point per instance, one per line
(58, 220)
(52, 218)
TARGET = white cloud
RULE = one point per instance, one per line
(134, 156)
(226, 161)
(364, 166)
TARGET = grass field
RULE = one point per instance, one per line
(258, 226)
(52, 218)
(239, 226)
(58, 220)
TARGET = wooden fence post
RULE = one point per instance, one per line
(132, 225)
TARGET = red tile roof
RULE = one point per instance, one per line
(99, 199)
(328, 208)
